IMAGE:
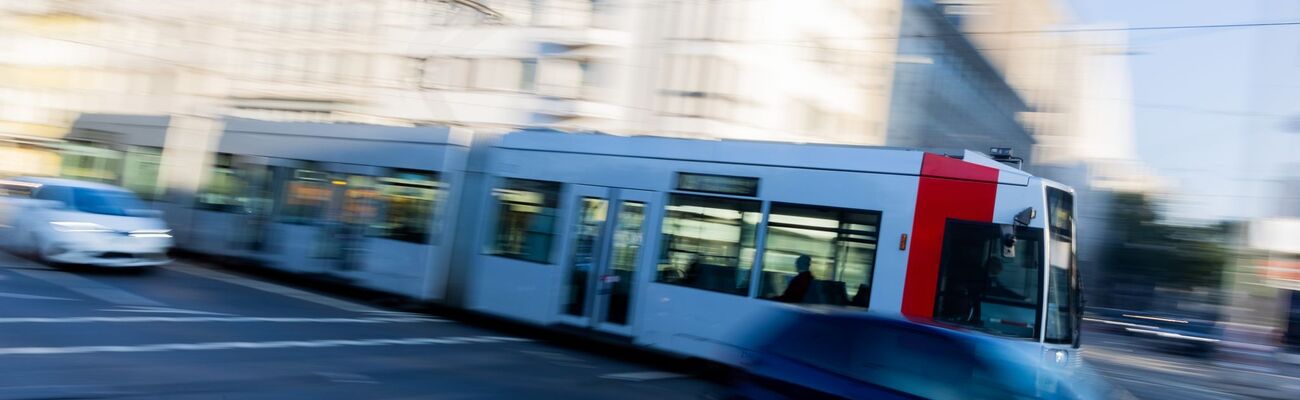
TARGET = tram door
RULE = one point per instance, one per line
(249, 228)
(352, 208)
(607, 236)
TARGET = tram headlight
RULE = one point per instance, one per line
(1058, 357)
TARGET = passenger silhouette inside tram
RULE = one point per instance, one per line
(691, 275)
(797, 289)
(863, 297)
(965, 284)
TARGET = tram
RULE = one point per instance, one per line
(673, 244)
(677, 243)
(355, 202)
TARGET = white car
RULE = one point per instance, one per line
(74, 222)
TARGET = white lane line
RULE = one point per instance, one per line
(1120, 323)
(271, 288)
(343, 377)
(395, 313)
(160, 311)
(6, 351)
(643, 376)
(32, 297)
(89, 287)
(73, 320)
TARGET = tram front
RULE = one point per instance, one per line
(1016, 279)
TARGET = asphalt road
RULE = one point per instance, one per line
(190, 332)
(187, 331)
(1153, 370)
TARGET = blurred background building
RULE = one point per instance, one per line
(821, 71)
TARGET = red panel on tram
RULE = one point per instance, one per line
(949, 188)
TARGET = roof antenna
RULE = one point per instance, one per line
(1003, 155)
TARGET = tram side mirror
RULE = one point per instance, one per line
(1023, 217)
(1008, 242)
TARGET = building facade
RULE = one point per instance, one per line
(812, 71)
(948, 94)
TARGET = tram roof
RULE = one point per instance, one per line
(843, 157)
(429, 134)
(128, 129)
(151, 130)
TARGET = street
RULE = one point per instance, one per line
(1149, 372)
(187, 331)
(190, 332)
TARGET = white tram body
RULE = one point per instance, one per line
(288, 196)
(624, 214)
(676, 244)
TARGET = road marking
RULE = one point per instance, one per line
(88, 287)
(643, 376)
(33, 297)
(271, 288)
(70, 320)
(1166, 385)
(563, 360)
(343, 377)
(8, 351)
(1120, 323)
(160, 310)
(395, 313)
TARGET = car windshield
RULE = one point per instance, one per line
(107, 202)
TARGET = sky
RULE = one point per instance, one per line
(1215, 110)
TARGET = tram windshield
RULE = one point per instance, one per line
(988, 281)
(1064, 310)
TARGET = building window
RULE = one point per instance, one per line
(446, 73)
(525, 226)
(410, 201)
(708, 243)
(698, 86)
(984, 283)
(504, 74)
(840, 250)
(528, 75)
(307, 196)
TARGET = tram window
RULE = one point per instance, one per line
(525, 219)
(1060, 206)
(360, 201)
(840, 244)
(708, 243)
(409, 200)
(306, 196)
(223, 189)
(140, 172)
(90, 162)
(1061, 307)
(981, 287)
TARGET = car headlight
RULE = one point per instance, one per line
(72, 226)
(151, 233)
